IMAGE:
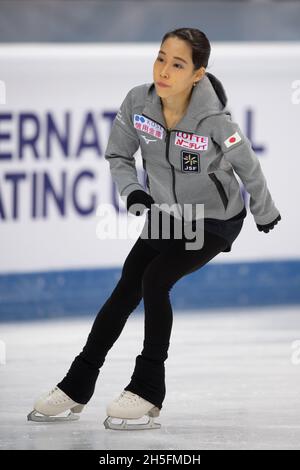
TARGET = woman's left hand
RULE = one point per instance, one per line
(270, 226)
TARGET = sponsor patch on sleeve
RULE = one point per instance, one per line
(232, 140)
(119, 117)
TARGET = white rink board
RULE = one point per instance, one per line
(85, 84)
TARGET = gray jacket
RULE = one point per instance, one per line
(193, 163)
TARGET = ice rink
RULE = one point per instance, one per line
(232, 379)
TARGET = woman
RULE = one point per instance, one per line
(190, 148)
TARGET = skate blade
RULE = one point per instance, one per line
(38, 417)
(125, 426)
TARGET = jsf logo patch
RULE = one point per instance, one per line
(191, 141)
(190, 161)
(144, 124)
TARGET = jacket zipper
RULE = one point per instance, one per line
(167, 140)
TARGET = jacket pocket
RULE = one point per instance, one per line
(220, 189)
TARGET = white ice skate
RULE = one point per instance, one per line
(129, 406)
(54, 403)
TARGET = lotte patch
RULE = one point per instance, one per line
(190, 161)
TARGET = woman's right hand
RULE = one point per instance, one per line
(138, 201)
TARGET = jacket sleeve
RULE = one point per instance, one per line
(237, 150)
(122, 144)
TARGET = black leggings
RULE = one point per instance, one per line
(148, 272)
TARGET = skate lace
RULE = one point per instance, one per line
(58, 396)
(130, 397)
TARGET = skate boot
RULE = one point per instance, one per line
(129, 406)
(54, 403)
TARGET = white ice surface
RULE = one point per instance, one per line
(230, 378)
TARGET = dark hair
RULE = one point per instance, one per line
(199, 43)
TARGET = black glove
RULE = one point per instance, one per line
(142, 200)
(270, 226)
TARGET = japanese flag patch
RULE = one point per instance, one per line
(232, 140)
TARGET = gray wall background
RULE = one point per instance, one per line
(148, 20)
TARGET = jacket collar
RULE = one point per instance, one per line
(204, 102)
